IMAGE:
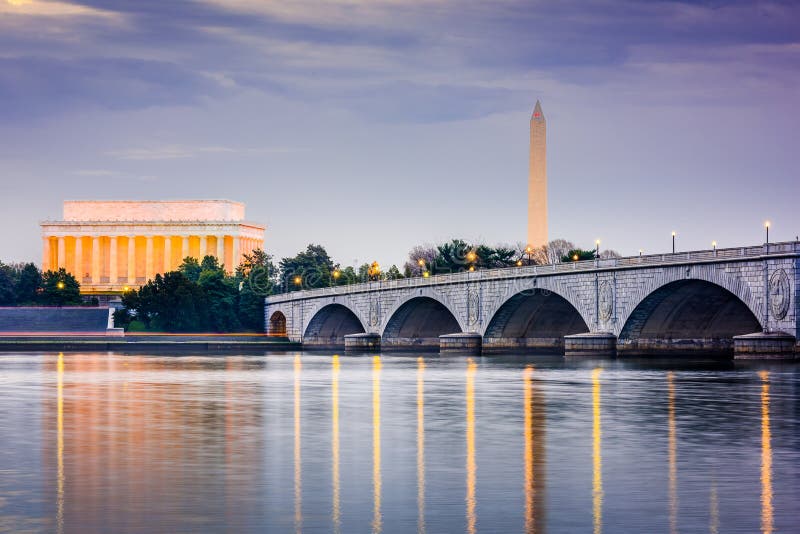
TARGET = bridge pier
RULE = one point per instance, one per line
(461, 342)
(590, 344)
(764, 346)
(362, 342)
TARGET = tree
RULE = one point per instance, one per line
(495, 257)
(393, 273)
(420, 259)
(257, 277)
(451, 257)
(29, 281)
(59, 288)
(221, 294)
(312, 268)
(190, 268)
(210, 263)
(8, 294)
(171, 303)
(577, 254)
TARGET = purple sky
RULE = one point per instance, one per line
(370, 127)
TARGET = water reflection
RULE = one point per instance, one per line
(597, 459)
(298, 464)
(60, 442)
(766, 457)
(282, 443)
(377, 518)
(336, 515)
(672, 455)
(470, 499)
(534, 425)
(420, 445)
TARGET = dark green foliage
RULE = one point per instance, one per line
(256, 276)
(8, 294)
(495, 258)
(29, 281)
(312, 268)
(221, 294)
(190, 268)
(59, 288)
(170, 303)
(579, 254)
(209, 263)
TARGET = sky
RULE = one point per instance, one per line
(372, 127)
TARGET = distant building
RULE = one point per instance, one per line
(113, 245)
(537, 180)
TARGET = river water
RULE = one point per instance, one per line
(303, 442)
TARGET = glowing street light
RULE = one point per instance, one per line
(575, 257)
(673, 241)
(426, 274)
(519, 263)
(597, 248)
(298, 280)
(766, 227)
(60, 285)
(714, 245)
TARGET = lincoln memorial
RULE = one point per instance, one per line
(111, 246)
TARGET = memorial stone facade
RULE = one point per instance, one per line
(113, 246)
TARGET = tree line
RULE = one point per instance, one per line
(24, 284)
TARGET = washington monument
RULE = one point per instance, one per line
(537, 180)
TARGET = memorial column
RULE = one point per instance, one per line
(203, 247)
(131, 259)
(78, 269)
(113, 263)
(45, 254)
(221, 249)
(148, 258)
(185, 247)
(95, 260)
(62, 253)
(167, 253)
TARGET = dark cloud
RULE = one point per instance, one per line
(422, 62)
(37, 86)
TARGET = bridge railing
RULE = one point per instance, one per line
(699, 256)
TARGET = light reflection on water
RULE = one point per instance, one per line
(394, 443)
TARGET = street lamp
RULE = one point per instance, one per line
(575, 257)
(60, 285)
(597, 249)
(426, 274)
(298, 280)
(336, 274)
(714, 245)
(640, 252)
(529, 252)
(673, 241)
(519, 263)
(766, 226)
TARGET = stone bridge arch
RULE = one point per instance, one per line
(534, 314)
(695, 308)
(330, 321)
(417, 319)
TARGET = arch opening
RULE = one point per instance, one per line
(418, 323)
(687, 316)
(534, 320)
(329, 326)
(277, 325)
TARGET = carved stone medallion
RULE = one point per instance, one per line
(779, 294)
(374, 313)
(606, 300)
(473, 306)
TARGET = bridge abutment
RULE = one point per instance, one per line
(461, 342)
(362, 342)
(590, 344)
(765, 346)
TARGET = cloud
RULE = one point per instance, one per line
(183, 152)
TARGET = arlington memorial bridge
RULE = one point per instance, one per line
(734, 301)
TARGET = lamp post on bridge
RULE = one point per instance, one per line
(673, 241)
(766, 227)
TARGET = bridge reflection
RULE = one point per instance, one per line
(170, 445)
